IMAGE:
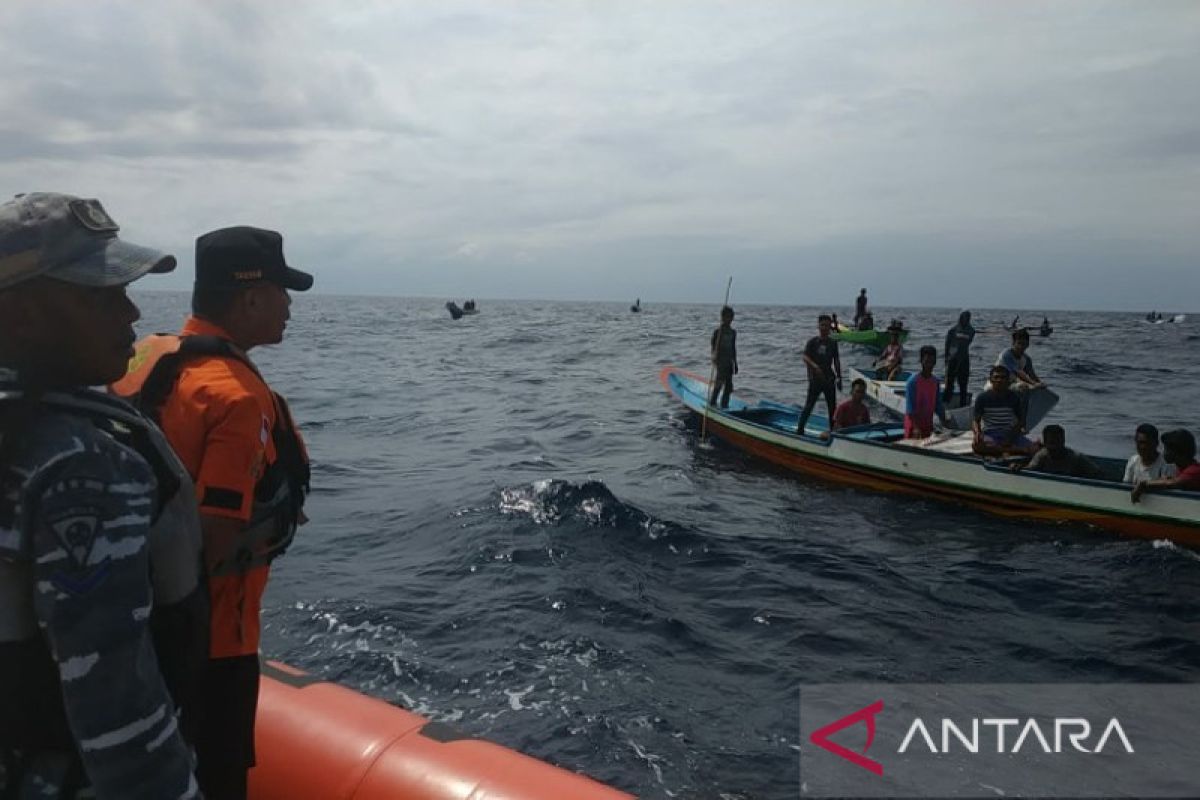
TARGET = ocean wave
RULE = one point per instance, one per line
(553, 501)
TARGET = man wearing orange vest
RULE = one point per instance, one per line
(237, 440)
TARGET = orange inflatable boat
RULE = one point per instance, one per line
(320, 741)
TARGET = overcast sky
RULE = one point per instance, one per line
(1005, 154)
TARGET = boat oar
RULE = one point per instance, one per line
(712, 370)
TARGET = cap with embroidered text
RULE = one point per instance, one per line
(233, 257)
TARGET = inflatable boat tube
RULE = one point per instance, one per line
(319, 740)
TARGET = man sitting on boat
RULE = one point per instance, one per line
(1055, 458)
(1019, 363)
(923, 398)
(891, 360)
(1179, 448)
(852, 411)
(821, 358)
(998, 419)
(1147, 463)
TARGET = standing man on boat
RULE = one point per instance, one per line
(860, 308)
(724, 358)
(823, 362)
(923, 398)
(237, 439)
(102, 613)
(958, 358)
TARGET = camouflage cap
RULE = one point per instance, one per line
(69, 239)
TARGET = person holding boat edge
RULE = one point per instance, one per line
(1179, 448)
(923, 398)
(724, 358)
(237, 439)
(998, 419)
(1147, 463)
(823, 362)
(1055, 458)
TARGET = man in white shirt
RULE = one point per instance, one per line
(1147, 463)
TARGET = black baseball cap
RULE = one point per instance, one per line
(233, 257)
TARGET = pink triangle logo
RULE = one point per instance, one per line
(820, 737)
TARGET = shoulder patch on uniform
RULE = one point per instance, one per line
(74, 510)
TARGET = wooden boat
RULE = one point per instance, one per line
(320, 741)
(891, 395)
(873, 339)
(877, 457)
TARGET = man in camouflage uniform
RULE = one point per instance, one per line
(84, 567)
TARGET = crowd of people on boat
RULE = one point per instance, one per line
(137, 535)
(999, 427)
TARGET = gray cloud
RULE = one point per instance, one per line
(632, 148)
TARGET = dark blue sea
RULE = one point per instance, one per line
(515, 529)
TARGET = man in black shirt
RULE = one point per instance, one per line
(958, 358)
(724, 358)
(860, 308)
(821, 357)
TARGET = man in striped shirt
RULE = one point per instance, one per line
(998, 420)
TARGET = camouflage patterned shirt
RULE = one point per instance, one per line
(75, 558)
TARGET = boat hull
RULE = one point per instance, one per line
(880, 464)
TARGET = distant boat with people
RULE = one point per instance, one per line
(467, 309)
(1154, 318)
(870, 338)
(878, 457)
